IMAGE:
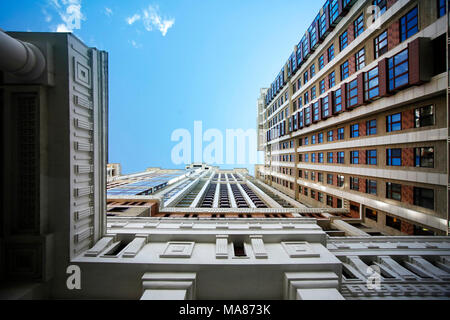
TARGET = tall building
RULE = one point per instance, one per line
(358, 116)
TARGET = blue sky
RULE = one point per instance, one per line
(175, 62)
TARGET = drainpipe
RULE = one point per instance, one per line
(22, 59)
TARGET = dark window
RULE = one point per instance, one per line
(320, 196)
(424, 116)
(344, 70)
(312, 71)
(393, 191)
(354, 131)
(321, 62)
(394, 157)
(320, 138)
(332, 80)
(424, 198)
(320, 157)
(322, 86)
(325, 110)
(340, 134)
(371, 85)
(441, 10)
(360, 58)
(331, 52)
(424, 157)
(381, 4)
(343, 40)
(371, 157)
(313, 194)
(381, 44)
(354, 184)
(359, 25)
(340, 157)
(371, 127)
(393, 222)
(308, 116)
(239, 249)
(313, 139)
(352, 93)
(329, 179)
(329, 201)
(312, 34)
(334, 10)
(313, 93)
(306, 98)
(340, 181)
(354, 157)
(398, 70)
(409, 25)
(394, 122)
(371, 214)
(330, 157)
(313, 160)
(339, 203)
(305, 77)
(371, 187)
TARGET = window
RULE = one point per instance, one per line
(320, 138)
(441, 10)
(340, 181)
(239, 249)
(331, 52)
(313, 93)
(320, 196)
(330, 157)
(371, 214)
(306, 97)
(313, 194)
(352, 93)
(354, 131)
(332, 80)
(424, 198)
(306, 141)
(329, 201)
(312, 34)
(409, 25)
(371, 85)
(322, 86)
(329, 179)
(337, 101)
(394, 157)
(354, 184)
(394, 122)
(371, 157)
(325, 109)
(381, 44)
(381, 4)
(306, 159)
(371, 187)
(424, 116)
(321, 62)
(398, 70)
(393, 222)
(313, 157)
(340, 134)
(320, 156)
(393, 191)
(344, 70)
(424, 157)
(354, 157)
(359, 25)
(340, 157)
(360, 59)
(343, 40)
(312, 71)
(330, 136)
(313, 139)
(305, 191)
(305, 77)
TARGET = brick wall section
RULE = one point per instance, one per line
(407, 228)
(390, 3)
(351, 64)
(360, 79)
(334, 180)
(382, 78)
(362, 185)
(335, 202)
(351, 33)
(408, 157)
(335, 135)
(393, 35)
(408, 194)
(363, 129)
(414, 62)
(408, 119)
(344, 96)
(362, 157)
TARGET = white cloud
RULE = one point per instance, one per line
(48, 17)
(133, 19)
(135, 44)
(152, 19)
(70, 13)
(108, 11)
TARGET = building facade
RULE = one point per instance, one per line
(358, 116)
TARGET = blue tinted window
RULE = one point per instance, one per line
(409, 24)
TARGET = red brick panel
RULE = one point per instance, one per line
(393, 35)
(383, 78)
(390, 3)
(335, 182)
(362, 157)
(352, 64)
(351, 32)
(408, 194)
(353, 213)
(335, 204)
(408, 157)
(362, 129)
(344, 96)
(335, 136)
(408, 119)
(360, 79)
(362, 185)
(407, 228)
(330, 101)
(325, 57)
(414, 62)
